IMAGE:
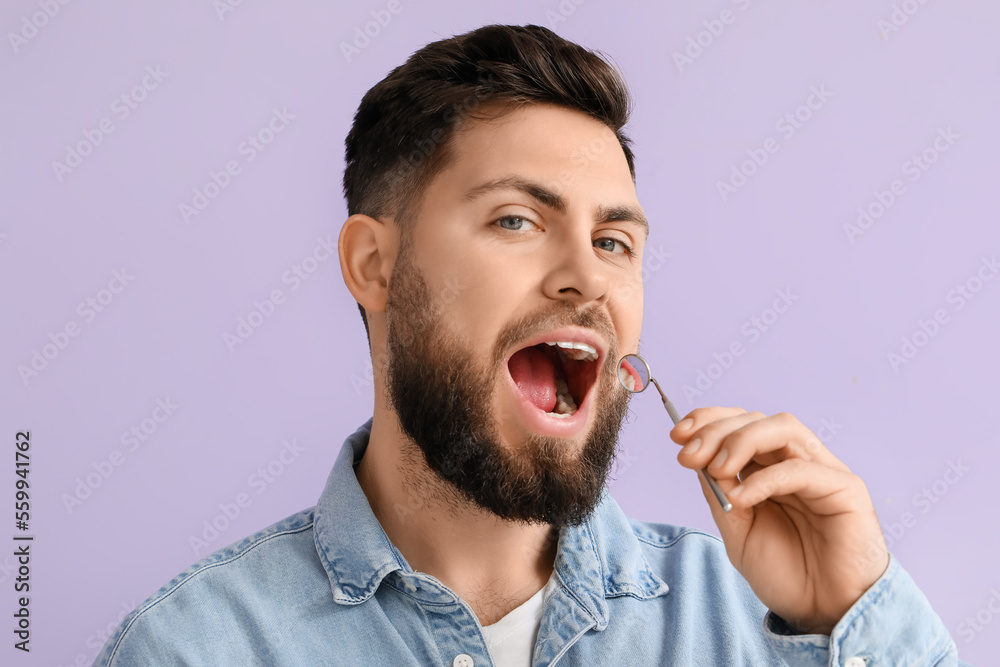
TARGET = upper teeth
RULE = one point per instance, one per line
(574, 350)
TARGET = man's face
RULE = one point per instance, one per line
(493, 289)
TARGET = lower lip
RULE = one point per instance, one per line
(544, 423)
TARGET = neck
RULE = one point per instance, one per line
(492, 564)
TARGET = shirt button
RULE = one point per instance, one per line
(855, 662)
(462, 660)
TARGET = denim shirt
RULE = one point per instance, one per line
(327, 587)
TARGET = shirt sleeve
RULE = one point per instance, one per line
(891, 624)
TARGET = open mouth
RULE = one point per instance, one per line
(555, 376)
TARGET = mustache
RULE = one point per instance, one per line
(552, 316)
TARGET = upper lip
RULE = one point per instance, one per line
(572, 334)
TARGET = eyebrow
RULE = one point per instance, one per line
(555, 201)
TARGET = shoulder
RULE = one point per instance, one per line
(693, 560)
(677, 542)
(288, 542)
(665, 535)
(229, 591)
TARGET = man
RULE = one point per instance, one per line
(494, 246)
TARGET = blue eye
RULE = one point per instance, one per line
(512, 222)
(611, 244)
(608, 243)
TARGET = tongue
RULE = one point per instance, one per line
(535, 375)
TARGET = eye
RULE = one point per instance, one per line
(513, 223)
(609, 243)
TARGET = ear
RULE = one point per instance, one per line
(367, 253)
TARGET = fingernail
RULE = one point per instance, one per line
(685, 424)
(720, 458)
(692, 446)
(735, 492)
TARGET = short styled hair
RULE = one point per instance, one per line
(401, 134)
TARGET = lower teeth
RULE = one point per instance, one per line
(565, 405)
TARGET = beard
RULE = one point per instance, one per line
(443, 400)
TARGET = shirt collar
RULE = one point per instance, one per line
(599, 559)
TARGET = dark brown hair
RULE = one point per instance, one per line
(401, 132)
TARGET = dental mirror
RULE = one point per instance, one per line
(635, 376)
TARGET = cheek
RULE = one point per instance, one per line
(626, 312)
(628, 299)
(477, 297)
(629, 290)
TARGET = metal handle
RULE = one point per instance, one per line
(712, 483)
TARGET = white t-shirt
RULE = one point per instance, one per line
(511, 640)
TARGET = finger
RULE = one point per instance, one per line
(704, 447)
(728, 445)
(767, 441)
(819, 488)
(748, 470)
(806, 486)
(694, 420)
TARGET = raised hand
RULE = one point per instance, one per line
(803, 531)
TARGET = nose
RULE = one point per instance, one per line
(577, 274)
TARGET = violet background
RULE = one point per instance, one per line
(301, 375)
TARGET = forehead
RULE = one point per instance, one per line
(540, 128)
(564, 149)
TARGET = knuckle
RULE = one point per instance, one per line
(737, 439)
(796, 465)
(711, 432)
(786, 417)
(857, 483)
(813, 443)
